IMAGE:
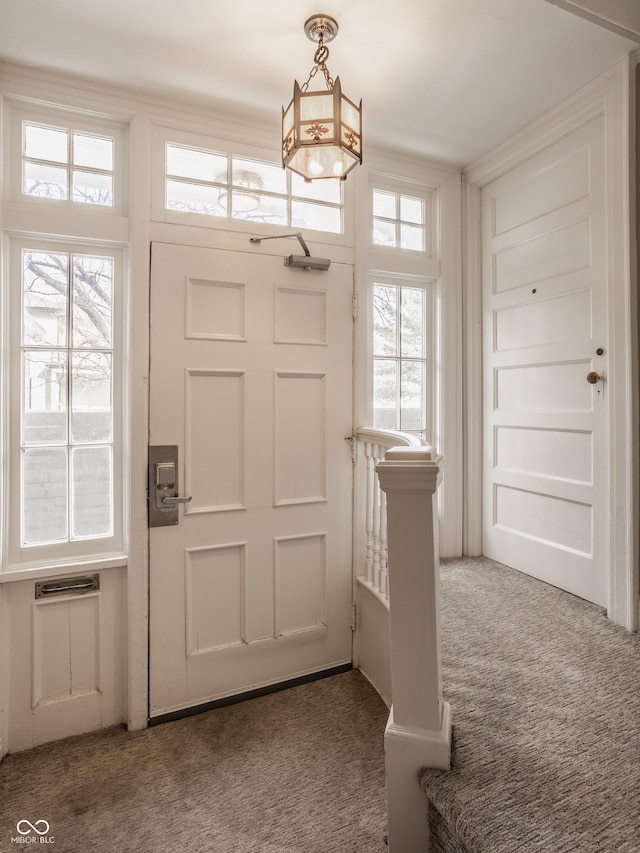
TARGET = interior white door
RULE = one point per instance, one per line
(251, 377)
(546, 452)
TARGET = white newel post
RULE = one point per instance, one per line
(418, 733)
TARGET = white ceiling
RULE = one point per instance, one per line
(447, 79)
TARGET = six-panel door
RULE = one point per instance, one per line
(251, 378)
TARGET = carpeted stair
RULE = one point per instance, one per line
(545, 695)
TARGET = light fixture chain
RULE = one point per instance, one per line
(320, 59)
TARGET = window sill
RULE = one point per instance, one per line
(62, 568)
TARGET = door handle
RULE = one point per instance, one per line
(163, 489)
(593, 377)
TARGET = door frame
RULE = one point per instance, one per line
(608, 97)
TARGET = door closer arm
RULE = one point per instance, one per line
(305, 262)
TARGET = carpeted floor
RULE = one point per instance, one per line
(294, 772)
(545, 695)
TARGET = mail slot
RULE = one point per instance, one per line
(67, 586)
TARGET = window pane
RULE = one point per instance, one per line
(44, 397)
(412, 322)
(411, 395)
(45, 286)
(194, 198)
(385, 389)
(412, 209)
(385, 204)
(385, 324)
(328, 190)
(199, 165)
(91, 478)
(259, 176)
(265, 208)
(92, 188)
(91, 420)
(92, 301)
(384, 233)
(45, 181)
(412, 237)
(46, 143)
(44, 495)
(308, 215)
(96, 152)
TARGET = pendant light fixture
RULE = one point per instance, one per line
(321, 130)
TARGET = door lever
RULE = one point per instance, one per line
(164, 489)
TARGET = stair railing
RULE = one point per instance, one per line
(372, 553)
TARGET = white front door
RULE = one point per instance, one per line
(251, 378)
(546, 451)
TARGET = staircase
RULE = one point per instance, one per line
(545, 693)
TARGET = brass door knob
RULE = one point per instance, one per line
(593, 377)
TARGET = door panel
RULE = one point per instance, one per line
(545, 320)
(251, 378)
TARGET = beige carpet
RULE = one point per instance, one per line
(301, 771)
(545, 696)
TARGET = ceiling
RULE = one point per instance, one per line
(445, 79)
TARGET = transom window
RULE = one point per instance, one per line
(399, 220)
(400, 349)
(67, 385)
(214, 184)
(67, 165)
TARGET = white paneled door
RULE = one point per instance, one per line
(251, 378)
(545, 367)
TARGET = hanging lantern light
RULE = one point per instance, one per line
(321, 130)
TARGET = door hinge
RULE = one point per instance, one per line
(354, 615)
(354, 306)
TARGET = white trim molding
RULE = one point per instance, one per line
(619, 16)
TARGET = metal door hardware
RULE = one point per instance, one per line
(67, 586)
(163, 486)
(305, 262)
(596, 379)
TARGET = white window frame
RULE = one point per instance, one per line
(403, 187)
(16, 557)
(411, 268)
(20, 113)
(163, 135)
(428, 287)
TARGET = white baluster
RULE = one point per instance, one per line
(378, 452)
(372, 478)
(384, 551)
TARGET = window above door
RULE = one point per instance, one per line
(206, 184)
